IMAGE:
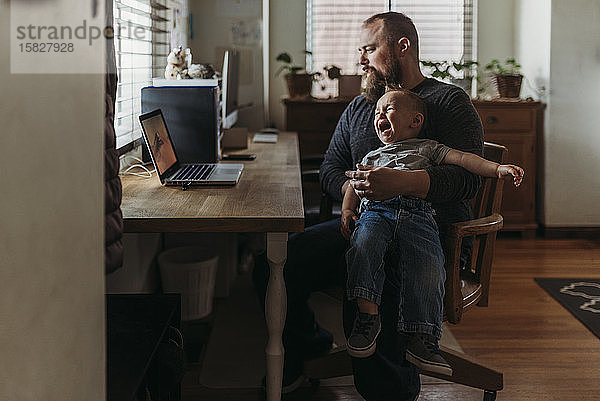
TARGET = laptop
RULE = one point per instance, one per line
(170, 171)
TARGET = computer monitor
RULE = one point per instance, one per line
(230, 78)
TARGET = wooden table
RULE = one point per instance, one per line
(268, 199)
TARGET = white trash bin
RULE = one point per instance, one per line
(190, 271)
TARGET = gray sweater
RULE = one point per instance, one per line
(451, 119)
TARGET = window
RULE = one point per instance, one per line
(445, 30)
(141, 47)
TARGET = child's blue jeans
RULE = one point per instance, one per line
(398, 238)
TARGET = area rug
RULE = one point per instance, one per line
(580, 296)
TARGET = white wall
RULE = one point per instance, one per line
(558, 45)
(532, 46)
(532, 50)
(572, 162)
(495, 30)
(51, 242)
(287, 34)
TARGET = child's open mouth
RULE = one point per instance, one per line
(384, 127)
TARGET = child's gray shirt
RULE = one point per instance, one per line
(409, 154)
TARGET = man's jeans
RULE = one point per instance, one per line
(398, 239)
(315, 261)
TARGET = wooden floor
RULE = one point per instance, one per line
(544, 352)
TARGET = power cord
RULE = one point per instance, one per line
(147, 173)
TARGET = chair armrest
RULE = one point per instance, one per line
(453, 301)
(310, 175)
(483, 225)
(326, 203)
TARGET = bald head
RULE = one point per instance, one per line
(394, 26)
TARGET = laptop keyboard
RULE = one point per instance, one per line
(194, 172)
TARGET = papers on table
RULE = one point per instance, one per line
(265, 138)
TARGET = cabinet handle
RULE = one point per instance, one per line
(491, 120)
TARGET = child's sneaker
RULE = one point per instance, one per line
(423, 352)
(362, 340)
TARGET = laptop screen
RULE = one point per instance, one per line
(159, 142)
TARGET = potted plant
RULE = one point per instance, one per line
(506, 77)
(299, 82)
(349, 86)
(451, 70)
(333, 71)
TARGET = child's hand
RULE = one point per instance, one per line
(510, 169)
(348, 220)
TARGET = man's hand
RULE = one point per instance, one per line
(510, 169)
(380, 183)
(348, 220)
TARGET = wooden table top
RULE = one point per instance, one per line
(268, 197)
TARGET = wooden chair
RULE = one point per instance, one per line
(465, 288)
(318, 207)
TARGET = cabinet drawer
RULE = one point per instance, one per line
(507, 119)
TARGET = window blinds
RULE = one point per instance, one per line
(445, 30)
(141, 47)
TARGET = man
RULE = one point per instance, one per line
(389, 55)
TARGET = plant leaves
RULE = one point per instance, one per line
(284, 57)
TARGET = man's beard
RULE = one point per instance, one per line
(377, 82)
(374, 87)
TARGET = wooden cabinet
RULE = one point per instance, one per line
(314, 120)
(518, 125)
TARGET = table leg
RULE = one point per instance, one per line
(275, 310)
